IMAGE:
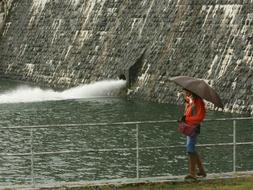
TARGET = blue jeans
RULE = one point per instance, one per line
(191, 144)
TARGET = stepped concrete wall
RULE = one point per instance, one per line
(62, 43)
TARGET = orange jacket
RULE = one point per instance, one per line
(194, 111)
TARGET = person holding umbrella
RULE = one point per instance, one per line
(195, 90)
(193, 116)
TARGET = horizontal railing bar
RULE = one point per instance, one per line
(88, 124)
(119, 149)
(230, 119)
(69, 151)
(117, 123)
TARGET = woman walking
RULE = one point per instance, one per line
(194, 114)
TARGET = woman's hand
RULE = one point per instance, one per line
(182, 119)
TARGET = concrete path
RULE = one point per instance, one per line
(124, 181)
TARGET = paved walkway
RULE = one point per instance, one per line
(125, 181)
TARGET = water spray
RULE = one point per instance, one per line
(34, 94)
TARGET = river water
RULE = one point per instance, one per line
(82, 153)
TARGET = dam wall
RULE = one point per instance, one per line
(5, 6)
(63, 43)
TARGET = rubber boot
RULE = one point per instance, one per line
(201, 172)
(191, 177)
(192, 165)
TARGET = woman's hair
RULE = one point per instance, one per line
(195, 96)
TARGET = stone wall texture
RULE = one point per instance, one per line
(63, 43)
(5, 6)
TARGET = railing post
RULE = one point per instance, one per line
(32, 159)
(234, 146)
(137, 151)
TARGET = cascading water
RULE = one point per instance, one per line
(35, 94)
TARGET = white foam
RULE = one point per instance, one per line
(39, 4)
(147, 16)
(35, 94)
(75, 2)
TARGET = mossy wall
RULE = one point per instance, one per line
(62, 43)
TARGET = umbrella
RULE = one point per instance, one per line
(199, 87)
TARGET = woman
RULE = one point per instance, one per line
(194, 115)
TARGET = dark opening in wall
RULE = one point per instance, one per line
(135, 69)
(122, 77)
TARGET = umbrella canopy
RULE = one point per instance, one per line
(200, 88)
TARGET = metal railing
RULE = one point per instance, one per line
(137, 124)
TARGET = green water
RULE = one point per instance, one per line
(92, 159)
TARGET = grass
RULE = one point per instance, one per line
(245, 183)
